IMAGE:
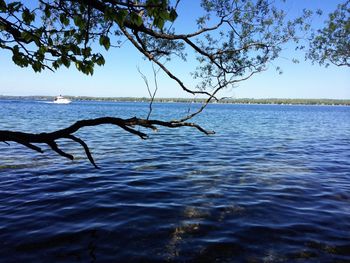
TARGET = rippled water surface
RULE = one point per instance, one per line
(273, 185)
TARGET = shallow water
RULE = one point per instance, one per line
(273, 185)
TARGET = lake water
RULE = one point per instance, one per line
(272, 185)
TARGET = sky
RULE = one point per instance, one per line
(119, 76)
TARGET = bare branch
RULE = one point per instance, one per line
(150, 93)
(29, 139)
(86, 148)
(30, 146)
(155, 89)
(161, 65)
(54, 147)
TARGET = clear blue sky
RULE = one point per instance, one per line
(119, 76)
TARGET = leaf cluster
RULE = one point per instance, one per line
(331, 44)
(50, 34)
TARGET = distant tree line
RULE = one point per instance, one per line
(278, 101)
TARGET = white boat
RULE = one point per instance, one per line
(61, 100)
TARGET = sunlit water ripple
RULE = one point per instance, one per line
(273, 185)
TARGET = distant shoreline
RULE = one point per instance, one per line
(272, 101)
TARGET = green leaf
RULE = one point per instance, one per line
(55, 65)
(50, 41)
(164, 15)
(100, 61)
(65, 21)
(109, 14)
(121, 15)
(159, 22)
(16, 50)
(79, 36)
(172, 15)
(104, 41)
(47, 11)
(86, 52)
(2, 5)
(136, 19)
(26, 36)
(332, 27)
(37, 67)
(78, 65)
(27, 16)
(90, 69)
(79, 22)
(75, 49)
(65, 61)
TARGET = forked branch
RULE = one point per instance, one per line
(30, 139)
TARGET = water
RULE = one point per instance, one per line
(273, 185)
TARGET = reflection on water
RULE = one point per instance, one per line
(273, 185)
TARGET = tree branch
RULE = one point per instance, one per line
(29, 139)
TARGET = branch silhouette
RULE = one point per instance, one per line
(30, 139)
